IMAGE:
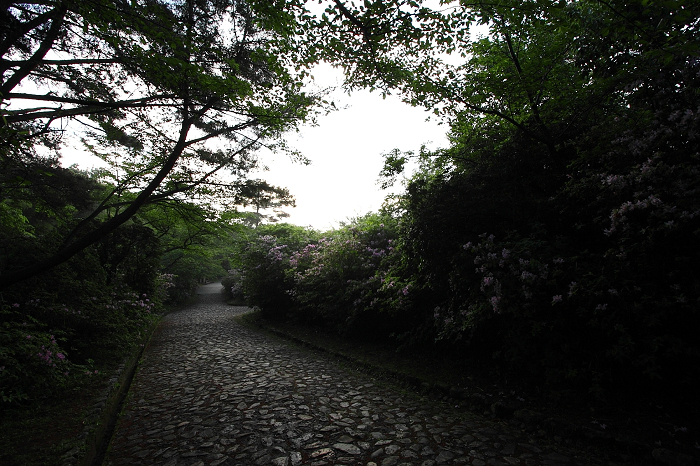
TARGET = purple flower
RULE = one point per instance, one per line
(556, 299)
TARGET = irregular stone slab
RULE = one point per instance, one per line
(390, 461)
(347, 448)
(321, 452)
(444, 457)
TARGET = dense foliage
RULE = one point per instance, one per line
(90, 311)
(556, 237)
(149, 87)
(553, 239)
(87, 259)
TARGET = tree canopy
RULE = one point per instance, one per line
(542, 68)
(153, 88)
(551, 240)
(554, 235)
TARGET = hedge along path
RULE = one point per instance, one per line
(212, 392)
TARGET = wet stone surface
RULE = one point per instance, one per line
(212, 392)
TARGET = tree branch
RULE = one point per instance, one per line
(76, 61)
(108, 226)
(366, 31)
(547, 140)
(72, 100)
(20, 31)
(57, 17)
(87, 107)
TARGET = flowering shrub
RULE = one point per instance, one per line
(341, 280)
(50, 341)
(233, 284)
(537, 308)
(163, 285)
(636, 204)
(263, 282)
(492, 280)
(30, 357)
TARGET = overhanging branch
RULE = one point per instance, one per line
(108, 226)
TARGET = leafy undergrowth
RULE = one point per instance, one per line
(628, 431)
(40, 432)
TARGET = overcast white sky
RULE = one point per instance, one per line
(345, 152)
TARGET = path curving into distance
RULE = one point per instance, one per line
(212, 392)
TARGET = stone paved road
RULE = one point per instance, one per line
(211, 392)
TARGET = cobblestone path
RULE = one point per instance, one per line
(212, 392)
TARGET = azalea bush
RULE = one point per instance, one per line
(520, 304)
(261, 276)
(600, 298)
(47, 343)
(81, 317)
(265, 284)
(593, 320)
(233, 285)
(341, 282)
(596, 289)
(31, 359)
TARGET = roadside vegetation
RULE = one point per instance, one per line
(552, 243)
